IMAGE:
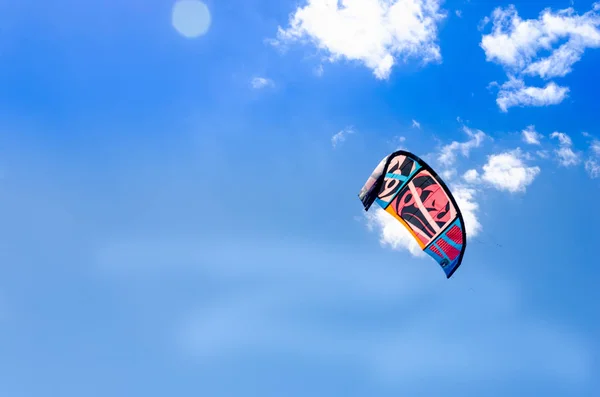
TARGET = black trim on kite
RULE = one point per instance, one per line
(371, 196)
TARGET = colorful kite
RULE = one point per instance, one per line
(411, 191)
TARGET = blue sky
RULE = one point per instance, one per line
(178, 195)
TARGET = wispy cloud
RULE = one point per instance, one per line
(592, 164)
(515, 93)
(397, 142)
(563, 138)
(531, 136)
(261, 82)
(319, 71)
(542, 154)
(566, 156)
(367, 31)
(447, 154)
(448, 174)
(341, 136)
(595, 146)
(521, 47)
(593, 168)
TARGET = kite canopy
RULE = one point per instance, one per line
(412, 192)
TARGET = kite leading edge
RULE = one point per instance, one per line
(411, 191)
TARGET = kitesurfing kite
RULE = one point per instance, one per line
(410, 190)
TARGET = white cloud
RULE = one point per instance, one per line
(483, 23)
(416, 124)
(515, 93)
(391, 232)
(394, 235)
(458, 13)
(398, 142)
(596, 147)
(471, 176)
(507, 171)
(593, 168)
(376, 33)
(566, 156)
(448, 174)
(465, 198)
(341, 136)
(261, 82)
(515, 43)
(542, 154)
(448, 153)
(528, 156)
(522, 47)
(563, 138)
(319, 71)
(592, 164)
(531, 136)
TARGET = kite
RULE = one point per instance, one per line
(411, 191)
